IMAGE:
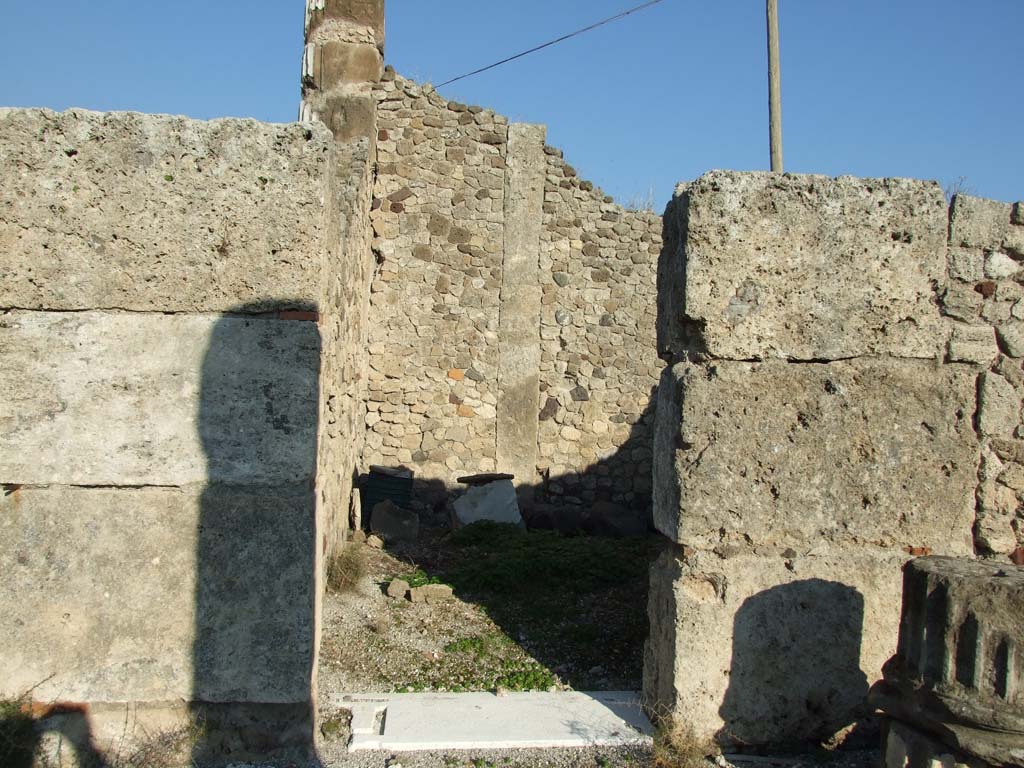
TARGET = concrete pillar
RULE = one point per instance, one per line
(519, 311)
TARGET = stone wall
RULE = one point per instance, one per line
(985, 303)
(162, 527)
(835, 402)
(498, 347)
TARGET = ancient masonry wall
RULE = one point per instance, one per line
(500, 345)
(844, 391)
(342, 62)
(160, 527)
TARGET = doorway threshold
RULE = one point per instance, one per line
(408, 722)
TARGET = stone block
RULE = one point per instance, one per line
(95, 398)
(959, 668)
(906, 747)
(431, 593)
(760, 650)
(337, 63)
(394, 524)
(397, 588)
(815, 455)
(160, 213)
(972, 344)
(803, 267)
(201, 594)
(979, 223)
(495, 502)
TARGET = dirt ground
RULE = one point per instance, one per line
(531, 611)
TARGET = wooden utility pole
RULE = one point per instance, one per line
(774, 87)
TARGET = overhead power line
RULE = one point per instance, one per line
(563, 38)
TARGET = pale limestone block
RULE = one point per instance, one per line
(784, 455)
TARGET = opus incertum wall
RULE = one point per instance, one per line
(515, 306)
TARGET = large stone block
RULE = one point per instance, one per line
(803, 267)
(151, 212)
(200, 594)
(758, 649)
(93, 398)
(777, 455)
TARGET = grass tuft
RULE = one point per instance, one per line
(346, 569)
(676, 745)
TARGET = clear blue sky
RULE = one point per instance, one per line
(870, 87)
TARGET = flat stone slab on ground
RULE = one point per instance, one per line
(409, 722)
(495, 501)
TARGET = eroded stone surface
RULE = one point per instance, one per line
(152, 212)
(755, 649)
(96, 398)
(158, 594)
(858, 452)
(805, 267)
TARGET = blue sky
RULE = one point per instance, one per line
(873, 87)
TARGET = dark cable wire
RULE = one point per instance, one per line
(552, 42)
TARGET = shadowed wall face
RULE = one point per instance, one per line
(831, 402)
(161, 528)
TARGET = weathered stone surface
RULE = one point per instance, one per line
(95, 398)
(345, 62)
(430, 593)
(394, 524)
(972, 344)
(809, 455)
(765, 649)
(979, 223)
(957, 672)
(495, 502)
(397, 588)
(998, 406)
(150, 212)
(804, 267)
(519, 311)
(158, 594)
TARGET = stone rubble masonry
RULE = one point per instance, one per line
(984, 302)
(958, 673)
(180, 337)
(443, 223)
(844, 389)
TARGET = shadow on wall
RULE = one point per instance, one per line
(611, 497)
(573, 591)
(795, 664)
(255, 601)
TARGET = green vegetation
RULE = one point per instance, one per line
(419, 579)
(565, 609)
